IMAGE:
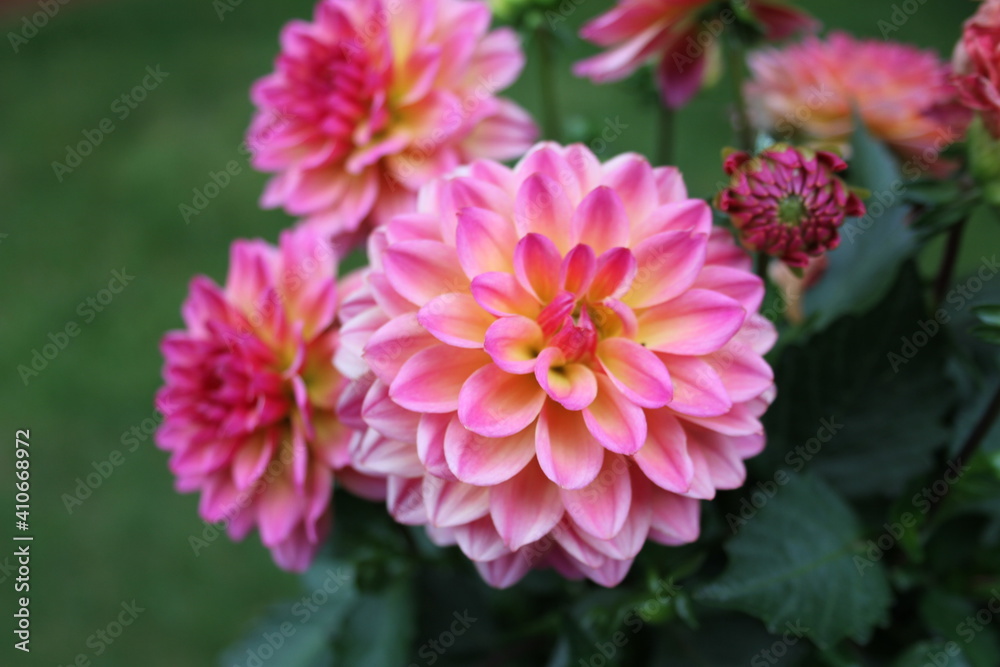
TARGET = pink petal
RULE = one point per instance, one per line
(393, 344)
(675, 518)
(631, 177)
(698, 389)
(568, 454)
(405, 500)
(578, 269)
(514, 343)
(615, 271)
(679, 78)
(600, 220)
(636, 372)
(495, 403)
(743, 286)
(430, 443)
(422, 270)
(697, 322)
(536, 265)
(618, 423)
(525, 507)
(601, 507)
(480, 541)
(574, 386)
(664, 457)
(456, 319)
(542, 207)
(454, 503)
(502, 294)
(431, 380)
(485, 241)
(475, 459)
(668, 264)
(505, 571)
(627, 543)
(687, 215)
(386, 416)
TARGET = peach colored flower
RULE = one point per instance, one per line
(578, 353)
(809, 92)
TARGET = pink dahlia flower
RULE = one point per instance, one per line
(673, 35)
(788, 203)
(977, 64)
(375, 97)
(810, 93)
(250, 394)
(578, 353)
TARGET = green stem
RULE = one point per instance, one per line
(547, 75)
(761, 264)
(737, 76)
(948, 261)
(665, 135)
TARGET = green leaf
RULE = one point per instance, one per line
(947, 615)
(989, 315)
(798, 564)
(873, 248)
(297, 633)
(925, 653)
(878, 380)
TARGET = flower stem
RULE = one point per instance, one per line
(666, 121)
(547, 76)
(948, 261)
(737, 76)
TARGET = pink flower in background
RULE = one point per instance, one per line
(977, 64)
(809, 93)
(577, 352)
(788, 203)
(673, 35)
(250, 394)
(374, 98)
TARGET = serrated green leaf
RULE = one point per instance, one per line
(794, 565)
(889, 400)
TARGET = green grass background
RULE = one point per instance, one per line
(129, 540)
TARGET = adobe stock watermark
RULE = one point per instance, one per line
(102, 638)
(796, 459)
(901, 13)
(922, 501)
(432, 650)
(272, 641)
(103, 469)
(634, 621)
(30, 25)
(957, 298)
(59, 340)
(122, 107)
(779, 649)
(218, 181)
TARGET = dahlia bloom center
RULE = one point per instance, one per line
(792, 210)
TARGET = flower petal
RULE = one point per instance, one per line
(697, 322)
(636, 372)
(698, 389)
(668, 264)
(600, 220)
(495, 403)
(567, 452)
(542, 207)
(664, 457)
(618, 423)
(454, 503)
(514, 343)
(536, 265)
(601, 507)
(422, 270)
(485, 241)
(502, 294)
(475, 459)
(525, 507)
(574, 386)
(456, 319)
(431, 380)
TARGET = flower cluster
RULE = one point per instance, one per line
(977, 64)
(563, 356)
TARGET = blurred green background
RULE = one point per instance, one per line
(119, 210)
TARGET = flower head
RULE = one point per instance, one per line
(373, 98)
(578, 353)
(977, 64)
(788, 202)
(250, 395)
(810, 92)
(673, 35)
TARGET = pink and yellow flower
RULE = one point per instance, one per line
(578, 353)
(977, 64)
(250, 397)
(810, 92)
(672, 35)
(373, 98)
(788, 203)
